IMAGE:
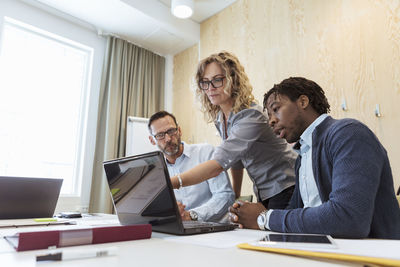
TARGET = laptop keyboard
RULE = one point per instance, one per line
(196, 224)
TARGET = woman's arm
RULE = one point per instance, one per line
(198, 174)
(237, 178)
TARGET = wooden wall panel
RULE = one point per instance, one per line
(349, 47)
(183, 92)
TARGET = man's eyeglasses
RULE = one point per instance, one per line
(216, 83)
(170, 132)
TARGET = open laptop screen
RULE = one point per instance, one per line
(139, 189)
(25, 197)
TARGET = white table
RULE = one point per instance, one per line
(164, 250)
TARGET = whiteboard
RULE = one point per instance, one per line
(137, 137)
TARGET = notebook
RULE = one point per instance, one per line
(23, 197)
(142, 193)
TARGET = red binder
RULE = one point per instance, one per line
(63, 238)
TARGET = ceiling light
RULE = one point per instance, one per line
(182, 8)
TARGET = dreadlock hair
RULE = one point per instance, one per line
(294, 87)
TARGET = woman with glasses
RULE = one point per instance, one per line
(248, 141)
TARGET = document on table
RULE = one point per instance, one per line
(5, 246)
(361, 247)
(226, 239)
(370, 247)
(364, 251)
(388, 249)
(34, 222)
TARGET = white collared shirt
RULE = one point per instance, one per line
(209, 199)
(307, 185)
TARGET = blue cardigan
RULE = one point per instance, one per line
(354, 180)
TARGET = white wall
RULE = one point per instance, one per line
(68, 27)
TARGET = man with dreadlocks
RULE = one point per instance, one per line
(344, 184)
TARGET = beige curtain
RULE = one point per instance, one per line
(132, 85)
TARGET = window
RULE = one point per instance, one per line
(44, 91)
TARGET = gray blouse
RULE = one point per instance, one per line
(251, 144)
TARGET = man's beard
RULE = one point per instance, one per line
(175, 148)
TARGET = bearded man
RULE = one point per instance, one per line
(207, 201)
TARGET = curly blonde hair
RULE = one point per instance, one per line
(237, 86)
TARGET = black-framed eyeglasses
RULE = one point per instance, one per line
(216, 83)
(170, 132)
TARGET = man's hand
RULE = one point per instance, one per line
(181, 207)
(184, 214)
(246, 213)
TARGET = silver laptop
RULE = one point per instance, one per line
(23, 197)
(141, 190)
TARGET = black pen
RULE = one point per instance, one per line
(75, 254)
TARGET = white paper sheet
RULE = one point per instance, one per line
(224, 239)
(362, 247)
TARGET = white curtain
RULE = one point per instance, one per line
(132, 85)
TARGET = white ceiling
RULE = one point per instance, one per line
(203, 9)
(147, 23)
